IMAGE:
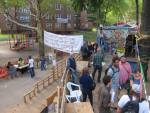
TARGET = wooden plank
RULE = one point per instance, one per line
(81, 107)
(51, 97)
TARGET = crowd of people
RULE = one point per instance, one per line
(22, 65)
(119, 76)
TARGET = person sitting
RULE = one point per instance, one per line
(3, 72)
(11, 70)
(20, 62)
(135, 80)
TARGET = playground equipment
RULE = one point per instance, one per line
(21, 41)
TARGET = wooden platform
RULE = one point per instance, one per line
(82, 107)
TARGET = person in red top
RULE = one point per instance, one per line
(125, 71)
(3, 72)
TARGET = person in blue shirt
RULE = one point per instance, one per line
(43, 63)
(71, 65)
(86, 84)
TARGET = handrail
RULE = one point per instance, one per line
(64, 81)
(55, 75)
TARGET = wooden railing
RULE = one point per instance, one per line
(55, 73)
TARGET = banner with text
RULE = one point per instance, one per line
(65, 43)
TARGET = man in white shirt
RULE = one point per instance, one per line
(143, 104)
(31, 66)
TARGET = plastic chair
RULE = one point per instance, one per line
(73, 93)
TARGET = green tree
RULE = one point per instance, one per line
(38, 8)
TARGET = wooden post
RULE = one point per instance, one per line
(30, 97)
(53, 73)
(34, 92)
(49, 80)
(57, 73)
(25, 101)
(62, 68)
(58, 100)
(37, 86)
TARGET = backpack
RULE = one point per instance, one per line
(93, 83)
(110, 67)
(131, 106)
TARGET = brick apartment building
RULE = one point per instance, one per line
(60, 20)
(63, 19)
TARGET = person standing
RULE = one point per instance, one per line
(43, 63)
(113, 72)
(31, 66)
(86, 84)
(97, 64)
(104, 96)
(125, 72)
(71, 65)
(85, 51)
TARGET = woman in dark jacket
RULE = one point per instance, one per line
(86, 83)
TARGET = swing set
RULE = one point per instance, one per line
(21, 41)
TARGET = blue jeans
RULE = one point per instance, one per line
(32, 72)
(43, 66)
(74, 77)
(99, 68)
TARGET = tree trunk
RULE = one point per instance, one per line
(145, 28)
(40, 35)
(145, 18)
(137, 11)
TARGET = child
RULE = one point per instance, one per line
(135, 80)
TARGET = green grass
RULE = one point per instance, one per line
(3, 36)
(88, 35)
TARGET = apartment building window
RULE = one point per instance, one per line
(69, 25)
(24, 18)
(58, 16)
(24, 10)
(58, 6)
(48, 25)
(58, 25)
(69, 16)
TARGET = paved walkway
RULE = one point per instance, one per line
(12, 90)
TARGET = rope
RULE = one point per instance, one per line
(141, 67)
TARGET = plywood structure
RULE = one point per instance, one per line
(81, 107)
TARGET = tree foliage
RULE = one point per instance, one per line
(108, 11)
(38, 10)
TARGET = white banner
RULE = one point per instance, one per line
(68, 44)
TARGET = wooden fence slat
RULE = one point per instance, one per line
(56, 72)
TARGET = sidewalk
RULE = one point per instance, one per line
(12, 90)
